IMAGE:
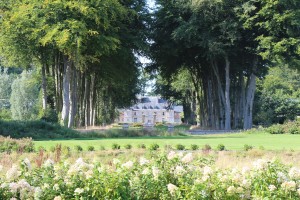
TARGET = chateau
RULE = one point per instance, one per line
(151, 110)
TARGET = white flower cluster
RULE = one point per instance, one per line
(172, 188)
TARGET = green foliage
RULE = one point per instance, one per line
(91, 148)
(78, 148)
(194, 147)
(6, 81)
(221, 147)
(5, 114)
(180, 147)
(49, 115)
(128, 146)
(275, 129)
(115, 146)
(247, 147)
(9, 145)
(206, 147)
(153, 146)
(286, 128)
(24, 97)
(137, 125)
(36, 130)
(278, 96)
(141, 146)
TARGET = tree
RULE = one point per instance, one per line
(71, 41)
(5, 88)
(278, 96)
(24, 97)
(220, 55)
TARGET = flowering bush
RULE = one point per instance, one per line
(167, 176)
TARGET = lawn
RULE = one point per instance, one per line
(234, 141)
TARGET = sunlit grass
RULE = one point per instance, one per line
(234, 141)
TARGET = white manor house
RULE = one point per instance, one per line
(151, 110)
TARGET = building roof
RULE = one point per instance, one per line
(154, 103)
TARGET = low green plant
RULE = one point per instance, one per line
(102, 147)
(141, 146)
(206, 147)
(180, 147)
(275, 129)
(194, 147)
(128, 146)
(247, 147)
(91, 148)
(78, 148)
(9, 145)
(115, 146)
(154, 146)
(168, 147)
(221, 147)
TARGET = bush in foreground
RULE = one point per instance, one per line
(167, 176)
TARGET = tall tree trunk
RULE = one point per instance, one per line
(87, 102)
(72, 97)
(91, 108)
(44, 86)
(221, 96)
(248, 109)
(227, 96)
(66, 91)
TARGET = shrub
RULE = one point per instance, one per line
(206, 147)
(154, 146)
(66, 150)
(137, 125)
(221, 147)
(128, 146)
(102, 147)
(49, 115)
(91, 148)
(180, 147)
(5, 114)
(194, 147)
(115, 146)
(247, 147)
(36, 130)
(78, 148)
(168, 147)
(8, 144)
(142, 146)
(275, 129)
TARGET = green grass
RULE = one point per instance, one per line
(235, 141)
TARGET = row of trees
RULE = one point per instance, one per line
(218, 49)
(84, 50)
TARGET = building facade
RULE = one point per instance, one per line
(151, 110)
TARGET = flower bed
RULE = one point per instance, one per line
(171, 176)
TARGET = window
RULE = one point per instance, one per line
(135, 120)
(134, 113)
(163, 113)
